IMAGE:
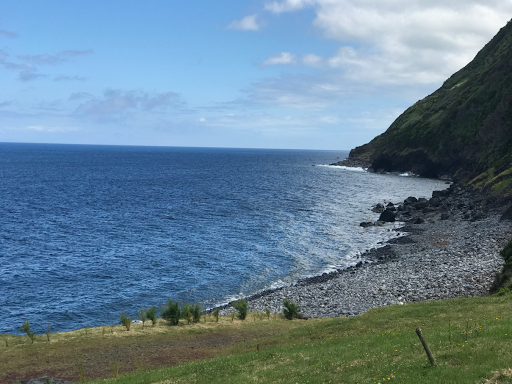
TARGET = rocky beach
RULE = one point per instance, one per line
(448, 247)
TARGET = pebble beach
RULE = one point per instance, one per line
(448, 247)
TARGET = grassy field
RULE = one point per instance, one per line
(470, 338)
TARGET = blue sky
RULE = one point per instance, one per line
(309, 74)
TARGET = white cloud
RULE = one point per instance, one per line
(248, 23)
(42, 128)
(330, 119)
(312, 60)
(287, 5)
(119, 104)
(202, 120)
(294, 92)
(402, 41)
(282, 58)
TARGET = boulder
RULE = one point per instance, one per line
(418, 220)
(387, 216)
(366, 224)
(391, 207)
(434, 202)
(379, 208)
(410, 200)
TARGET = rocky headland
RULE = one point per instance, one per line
(448, 247)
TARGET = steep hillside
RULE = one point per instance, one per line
(462, 130)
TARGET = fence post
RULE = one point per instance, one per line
(425, 346)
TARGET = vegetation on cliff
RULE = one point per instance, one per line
(462, 130)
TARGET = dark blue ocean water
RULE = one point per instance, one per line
(89, 231)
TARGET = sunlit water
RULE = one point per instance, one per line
(89, 231)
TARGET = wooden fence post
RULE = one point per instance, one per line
(425, 346)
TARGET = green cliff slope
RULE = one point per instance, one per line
(463, 130)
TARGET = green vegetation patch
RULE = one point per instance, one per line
(503, 281)
(482, 179)
(502, 183)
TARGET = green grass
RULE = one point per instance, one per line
(379, 346)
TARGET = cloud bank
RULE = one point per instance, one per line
(119, 104)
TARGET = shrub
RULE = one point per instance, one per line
(115, 368)
(216, 314)
(196, 312)
(186, 314)
(151, 314)
(504, 278)
(125, 320)
(290, 309)
(506, 252)
(191, 312)
(502, 291)
(172, 312)
(26, 328)
(267, 312)
(242, 308)
(81, 371)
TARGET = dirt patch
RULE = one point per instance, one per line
(133, 350)
(502, 376)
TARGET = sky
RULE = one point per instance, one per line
(297, 74)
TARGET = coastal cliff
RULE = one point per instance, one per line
(461, 131)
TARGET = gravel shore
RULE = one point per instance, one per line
(451, 251)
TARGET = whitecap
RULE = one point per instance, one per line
(354, 169)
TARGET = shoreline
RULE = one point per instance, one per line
(451, 249)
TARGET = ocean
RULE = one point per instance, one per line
(88, 231)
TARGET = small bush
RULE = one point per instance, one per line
(81, 371)
(151, 314)
(216, 314)
(267, 312)
(115, 368)
(26, 328)
(125, 320)
(172, 312)
(191, 312)
(186, 314)
(290, 309)
(504, 278)
(242, 307)
(506, 252)
(196, 312)
(502, 291)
